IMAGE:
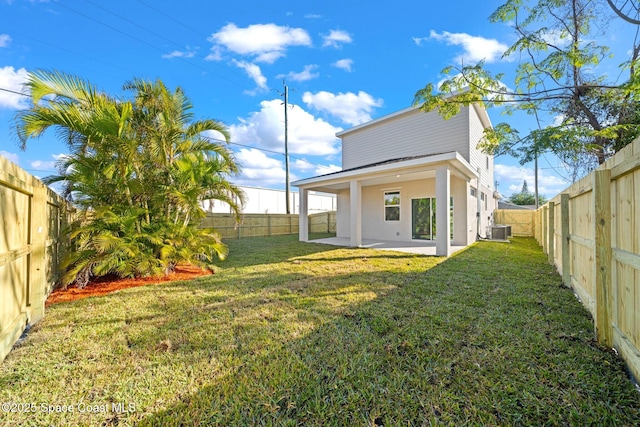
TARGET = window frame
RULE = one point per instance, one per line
(388, 207)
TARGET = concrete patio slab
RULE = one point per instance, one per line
(415, 247)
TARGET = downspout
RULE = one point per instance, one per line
(479, 204)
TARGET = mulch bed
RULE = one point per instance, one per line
(108, 284)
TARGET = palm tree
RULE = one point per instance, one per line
(138, 171)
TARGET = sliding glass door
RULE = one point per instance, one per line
(423, 218)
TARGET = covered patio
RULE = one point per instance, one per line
(435, 179)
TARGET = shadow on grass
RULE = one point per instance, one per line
(486, 337)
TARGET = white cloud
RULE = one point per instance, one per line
(5, 39)
(47, 165)
(349, 107)
(511, 179)
(307, 134)
(254, 158)
(11, 156)
(475, 48)
(304, 75)
(345, 64)
(312, 16)
(42, 165)
(215, 54)
(188, 53)
(13, 79)
(461, 84)
(325, 169)
(303, 165)
(556, 38)
(264, 42)
(336, 38)
(254, 72)
(258, 168)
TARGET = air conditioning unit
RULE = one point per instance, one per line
(499, 232)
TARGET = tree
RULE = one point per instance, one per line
(526, 197)
(138, 170)
(556, 76)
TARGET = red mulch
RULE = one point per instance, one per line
(105, 285)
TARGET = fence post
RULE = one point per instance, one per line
(268, 225)
(544, 230)
(565, 237)
(37, 279)
(552, 233)
(602, 213)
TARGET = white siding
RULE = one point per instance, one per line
(412, 133)
(484, 163)
(478, 159)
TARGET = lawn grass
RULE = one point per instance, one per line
(290, 333)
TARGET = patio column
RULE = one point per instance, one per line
(468, 223)
(355, 213)
(303, 222)
(443, 192)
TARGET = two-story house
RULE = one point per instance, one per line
(411, 176)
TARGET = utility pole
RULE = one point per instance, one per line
(286, 145)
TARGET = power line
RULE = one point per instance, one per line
(554, 169)
(64, 49)
(86, 16)
(163, 51)
(13, 91)
(178, 45)
(222, 140)
(173, 19)
(133, 23)
(269, 151)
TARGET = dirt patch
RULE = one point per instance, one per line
(105, 285)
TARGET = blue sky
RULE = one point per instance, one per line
(345, 63)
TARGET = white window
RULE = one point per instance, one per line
(392, 205)
(483, 197)
(472, 191)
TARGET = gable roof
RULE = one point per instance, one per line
(478, 108)
(385, 162)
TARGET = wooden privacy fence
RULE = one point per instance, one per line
(31, 217)
(261, 225)
(522, 222)
(591, 233)
(323, 222)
